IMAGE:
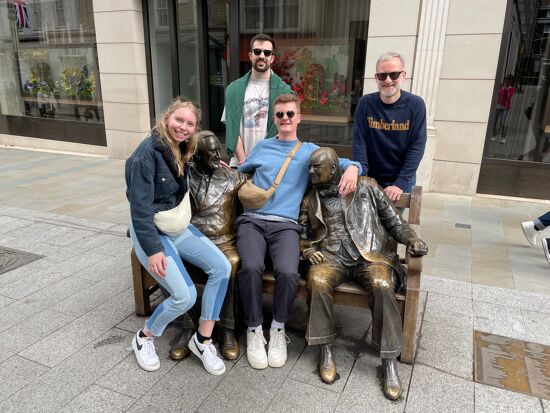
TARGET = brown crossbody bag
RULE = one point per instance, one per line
(253, 197)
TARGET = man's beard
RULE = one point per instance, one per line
(261, 70)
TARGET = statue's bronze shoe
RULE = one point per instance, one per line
(391, 383)
(229, 347)
(327, 365)
(179, 349)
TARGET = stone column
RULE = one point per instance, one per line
(427, 70)
(123, 75)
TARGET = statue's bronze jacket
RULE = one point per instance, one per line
(215, 209)
(369, 217)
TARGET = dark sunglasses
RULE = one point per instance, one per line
(393, 75)
(289, 113)
(266, 52)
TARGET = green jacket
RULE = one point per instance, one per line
(234, 101)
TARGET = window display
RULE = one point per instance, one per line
(48, 68)
(321, 74)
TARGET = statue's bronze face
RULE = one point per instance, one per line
(321, 169)
(210, 152)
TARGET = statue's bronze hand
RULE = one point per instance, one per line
(417, 247)
(314, 256)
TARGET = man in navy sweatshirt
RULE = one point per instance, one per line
(389, 135)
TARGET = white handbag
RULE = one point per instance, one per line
(174, 221)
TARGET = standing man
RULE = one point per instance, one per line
(389, 135)
(249, 101)
(273, 229)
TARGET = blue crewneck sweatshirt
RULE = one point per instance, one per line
(389, 140)
(265, 161)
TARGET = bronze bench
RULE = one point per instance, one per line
(345, 294)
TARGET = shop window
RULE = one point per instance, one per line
(270, 15)
(48, 63)
(162, 13)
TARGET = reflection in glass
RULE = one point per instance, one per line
(188, 50)
(48, 61)
(521, 115)
(161, 63)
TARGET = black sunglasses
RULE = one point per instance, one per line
(289, 113)
(393, 75)
(266, 52)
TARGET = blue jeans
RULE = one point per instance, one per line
(197, 249)
(543, 221)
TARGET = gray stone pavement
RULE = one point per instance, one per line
(66, 320)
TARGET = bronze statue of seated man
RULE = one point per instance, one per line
(214, 207)
(346, 239)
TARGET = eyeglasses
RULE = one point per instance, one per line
(393, 75)
(266, 52)
(289, 113)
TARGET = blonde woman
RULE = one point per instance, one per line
(156, 179)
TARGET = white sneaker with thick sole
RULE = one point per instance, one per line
(144, 349)
(546, 248)
(255, 349)
(208, 355)
(530, 232)
(276, 350)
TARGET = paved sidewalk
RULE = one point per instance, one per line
(66, 320)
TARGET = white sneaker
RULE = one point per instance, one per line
(208, 355)
(144, 349)
(276, 350)
(530, 232)
(546, 248)
(255, 349)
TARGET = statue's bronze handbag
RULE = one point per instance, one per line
(253, 197)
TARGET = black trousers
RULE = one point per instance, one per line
(281, 240)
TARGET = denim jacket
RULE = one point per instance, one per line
(152, 185)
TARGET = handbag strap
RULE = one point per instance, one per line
(285, 165)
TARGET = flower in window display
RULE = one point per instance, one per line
(67, 83)
(284, 64)
(86, 84)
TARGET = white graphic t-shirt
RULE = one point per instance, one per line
(255, 113)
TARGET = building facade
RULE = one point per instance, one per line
(91, 76)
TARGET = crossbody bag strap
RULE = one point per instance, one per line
(285, 165)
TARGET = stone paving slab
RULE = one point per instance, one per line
(95, 295)
(447, 310)
(363, 390)
(446, 348)
(489, 399)
(433, 391)
(28, 332)
(17, 372)
(499, 320)
(297, 396)
(98, 399)
(66, 341)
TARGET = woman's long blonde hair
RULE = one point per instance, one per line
(190, 145)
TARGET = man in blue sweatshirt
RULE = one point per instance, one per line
(273, 228)
(389, 134)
